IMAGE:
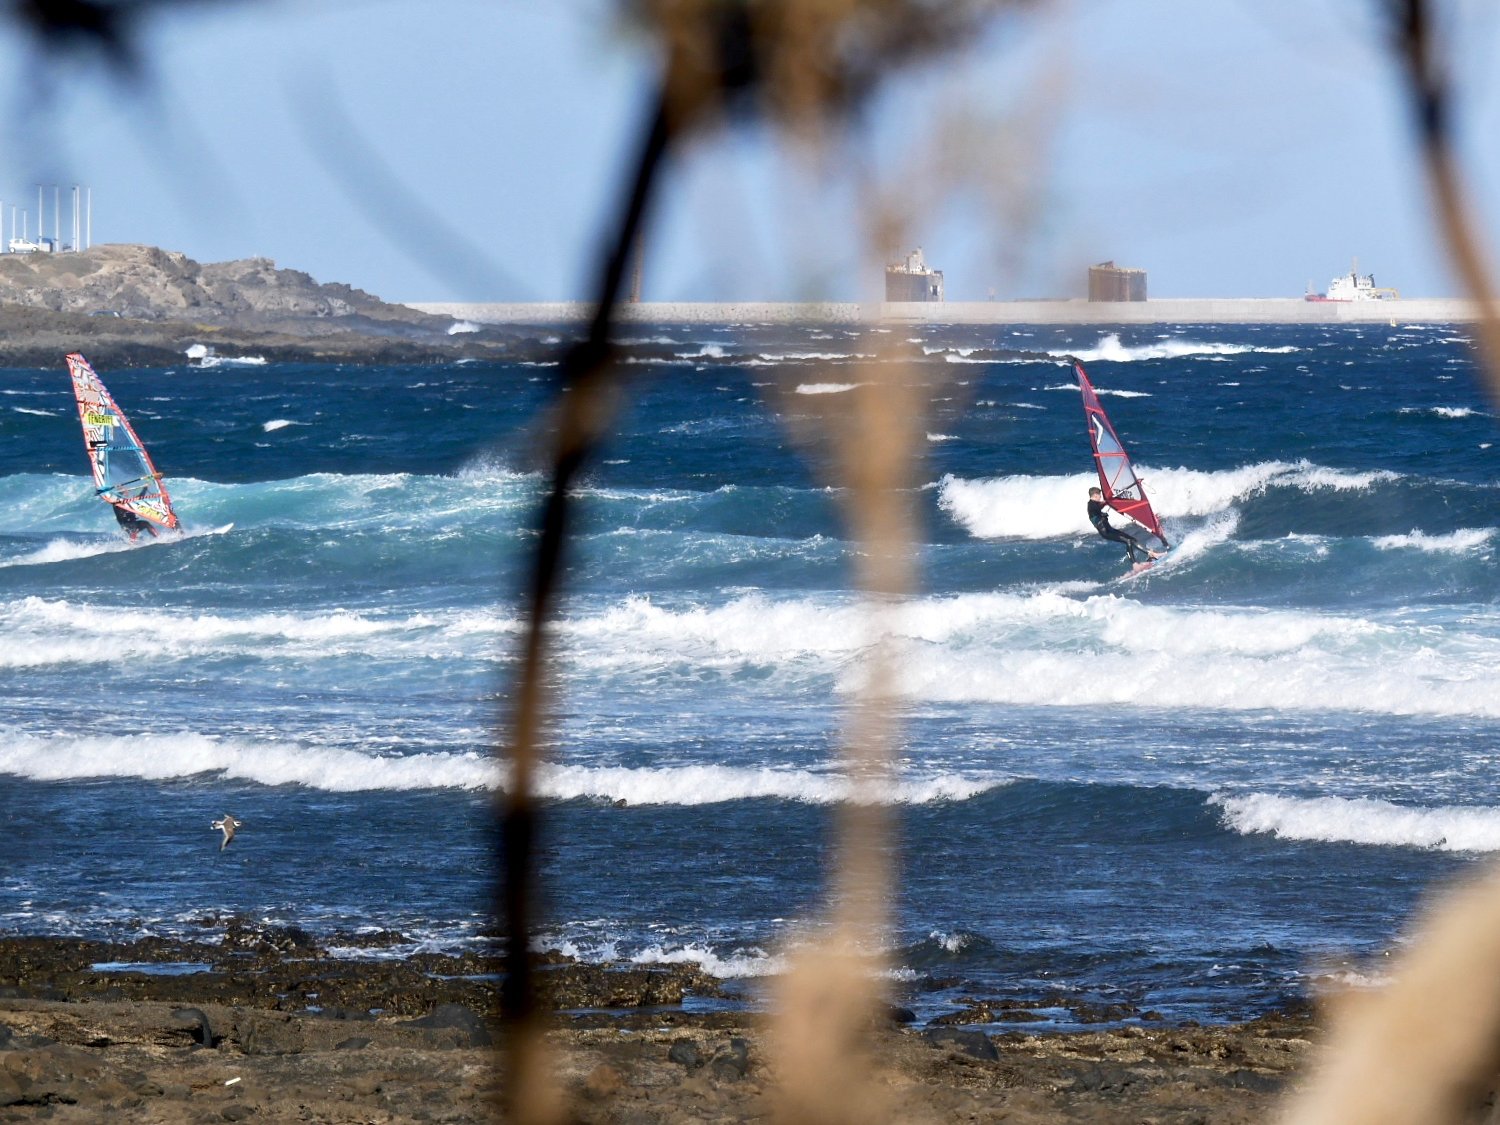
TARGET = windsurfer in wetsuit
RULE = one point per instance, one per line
(132, 523)
(1100, 520)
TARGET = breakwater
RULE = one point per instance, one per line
(1212, 310)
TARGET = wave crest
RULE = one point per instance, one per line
(1048, 507)
(1365, 820)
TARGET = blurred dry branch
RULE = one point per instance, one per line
(89, 25)
(586, 408)
(802, 64)
(829, 999)
(1423, 1051)
(1426, 1048)
(1419, 49)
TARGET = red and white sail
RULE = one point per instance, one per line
(1122, 489)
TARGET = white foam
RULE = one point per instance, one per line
(487, 469)
(228, 360)
(35, 632)
(65, 550)
(341, 770)
(1047, 507)
(1458, 542)
(38, 413)
(1341, 979)
(1102, 392)
(752, 963)
(1111, 349)
(1363, 821)
(1047, 649)
(710, 785)
(462, 327)
(1441, 411)
(800, 357)
(825, 388)
(187, 754)
(952, 943)
(1225, 659)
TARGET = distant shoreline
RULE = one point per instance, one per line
(1212, 310)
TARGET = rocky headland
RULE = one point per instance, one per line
(126, 305)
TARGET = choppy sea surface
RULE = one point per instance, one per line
(1198, 791)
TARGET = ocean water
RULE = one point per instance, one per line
(1199, 791)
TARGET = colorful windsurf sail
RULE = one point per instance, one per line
(123, 473)
(1123, 490)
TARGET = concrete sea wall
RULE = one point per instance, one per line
(1273, 310)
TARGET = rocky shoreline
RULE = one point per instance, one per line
(139, 306)
(39, 338)
(268, 1024)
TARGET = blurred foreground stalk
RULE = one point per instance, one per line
(800, 63)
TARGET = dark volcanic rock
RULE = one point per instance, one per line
(283, 969)
(732, 1062)
(85, 1060)
(193, 1021)
(261, 1035)
(574, 987)
(990, 1011)
(973, 1043)
(471, 1029)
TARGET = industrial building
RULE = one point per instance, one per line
(911, 280)
(1109, 282)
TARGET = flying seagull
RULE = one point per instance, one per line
(226, 826)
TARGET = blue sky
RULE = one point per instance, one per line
(469, 149)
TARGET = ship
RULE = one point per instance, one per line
(1352, 286)
(911, 280)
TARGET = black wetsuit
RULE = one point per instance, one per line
(1101, 523)
(132, 523)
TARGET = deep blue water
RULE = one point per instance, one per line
(1201, 790)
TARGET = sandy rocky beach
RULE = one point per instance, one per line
(262, 1023)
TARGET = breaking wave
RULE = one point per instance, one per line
(1363, 821)
(1047, 507)
(1110, 349)
(340, 770)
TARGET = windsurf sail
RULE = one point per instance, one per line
(123, 472)
(1122, 489)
